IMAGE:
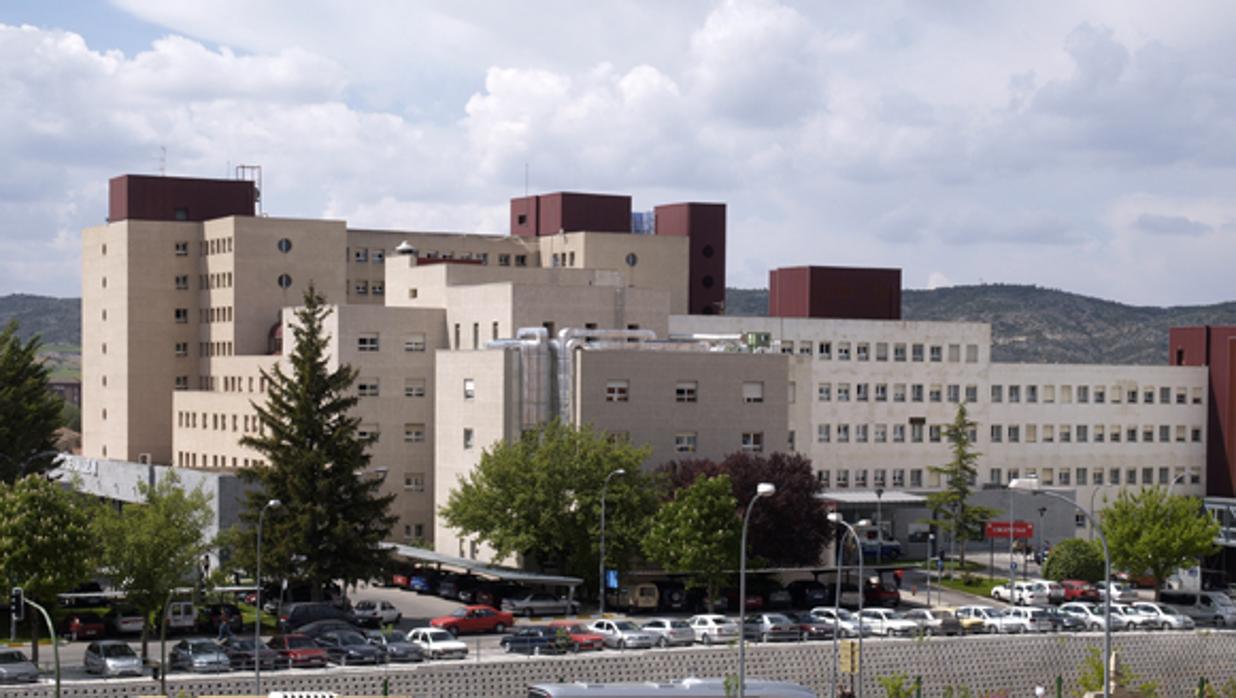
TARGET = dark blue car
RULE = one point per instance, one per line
(537, 639)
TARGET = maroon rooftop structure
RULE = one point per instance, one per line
(835, 292)
(1213, 346)
(550, 214)
(152, 198)
(704, 224)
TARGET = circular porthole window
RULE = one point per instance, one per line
(284, 245)
(707, 251)
(706, 282)
(285, 281)
(632, 260)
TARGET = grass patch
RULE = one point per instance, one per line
(248, 614)
(972, 584)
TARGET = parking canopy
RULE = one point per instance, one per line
(480, 568)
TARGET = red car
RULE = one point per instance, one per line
(81, 625)
(581, 636)
(1077, 590)
(475, 619)
(883, 594)
(298, 650)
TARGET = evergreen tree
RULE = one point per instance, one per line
(950, 506)
(333, 516)
(29, 411)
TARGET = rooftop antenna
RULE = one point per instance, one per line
(163, 161)
(252, 173)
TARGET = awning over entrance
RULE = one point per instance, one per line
(858, 497)
(480, 568)
(1223, 509)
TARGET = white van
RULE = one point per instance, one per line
(1204, 607)
(181, 616)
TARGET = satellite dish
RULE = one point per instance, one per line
(405, 248)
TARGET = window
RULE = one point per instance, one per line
(1063, 476)
(916, 352)
(899, 392)
(1098, 476)
(616, 391)
(1032, 433)
(1083, 394)
(369, 432)
(916, 432)
(752, 392)
(937, 353)
(916, 392)
(823, 433)
(1066, 433)
(182, 316)
(182, 249)
(899, 477)
(997, 433)
(1114, 434)
(686, 391)
(521, 260)
(1014, 393)
(860, 392)
(414, 433)
(1032, 393)
(824, 392)
(1132, 397)
(972, 353)
(934, 433)
(881, 351)
(182, 382)
(862, 351)
(1114, 476)
(954, 353)
(1165, 433)
(361, 288)
(367, 342)
(685, 442)
(934, 394)
(954, 393)
(414, 342)
(367, 387)
(1100, 395)
(881, 392)
(843, 433)
(843, 478)
(753, 441)
(825, 350)
(469, 438)
(414, 482)
(1148, 476)
(1049, 394)
(971, 393)
(504, 260)
(1148, 396)
(993, 476)
(182, 282)
(1083, 433)
(899, 433)
(182, 348)
(899, 352)
(469, 388)
(1195, 435)
(821, 476)
(1099, 434)
(378, 288)
(1147, 434)
(916, 477)
(414, 387)
(843, 351)
(1049, 433)
(997, 393)
(860, 433)
(880, 433)
(1197, 396)
(860, 478)
(843, 392)
(359, 255)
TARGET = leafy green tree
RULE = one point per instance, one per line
(698, 532)
(332, 517)
(1075, 558)
(46, 545)
(1090, 677)
(951, 505)
(1157, 533)
(29, 410)
(540, 497)
(153, 547)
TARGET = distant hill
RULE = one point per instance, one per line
(1041, 325)
(58, 320)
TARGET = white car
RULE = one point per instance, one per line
(1026, 620)
(622, 634)
(376, 613)
(1136, 619)
(436, 643)
(850, 625)
(1122, 592)
(993, 619)
(1092, 615)
(1164, 617)
(710, 628)
(1031, 594)
(670, 631)
(888, 623)
(1000, 592)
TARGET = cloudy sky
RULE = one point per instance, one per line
(1089, 146)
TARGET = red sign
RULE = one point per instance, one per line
(1000, 529)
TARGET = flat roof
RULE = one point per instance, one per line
(869, 497)
(480, 568)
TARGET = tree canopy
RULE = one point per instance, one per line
(698, 532)
(540, 496)
(29, 410)
(1152, 532)
(333, 516)
(1075, 558)
(153, 547)
(790, 530)
(950, 506)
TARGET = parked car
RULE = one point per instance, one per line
(199, 656)
(1002, 592)
(581, 636)
(111, 658)
(297, 650)
(244, 653)
(436, 643)
(1136, 619)
(1027, 620)
(775, 596)
(880, 593)
(84, 625)
(394, 646)
(637, 598)
(181, 616)
(1055, 590)
(710, 628)
(622, 634)
(211, 616)
(992, 620)
(540, 604)
(537, 640)
(755, 600)
(671, 597)
(1078, 590)
(670, 631)
(969, 622)
(474, 619)
(294, 616)
(1032, 593)
(1063, 622)
(424, 581)
(345, 647)
(698, 601)
(1122, 592)
(15, 667)
(770, 627)
(934, 621)
(889, 623)
(810, 627)
(1092, 615)
(449, 584)
(123, 620)
(376, 613)
(850, 624)
(807, 593)
(1164, 617)
(1204, 607)
(318, 628)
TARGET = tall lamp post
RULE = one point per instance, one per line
(836, 518)
(1042, 511)
(601, 583)
(764, 489)
(879, 524)
(257, 622)
(1172, 484)
(1032, 485)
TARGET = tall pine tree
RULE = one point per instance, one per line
(29, 411)
(332, 516)
(951, 506)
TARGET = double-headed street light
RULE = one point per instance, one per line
(257, 623)
(764, 489)
(601, 583)
(1032, 485)
(837, 520)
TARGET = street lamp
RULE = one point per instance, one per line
(601, 583)
(1172, 484)
(257, 623)
(1032, 485)
(1042, 510)
(879, 524)
(836, 518)
(764, 489)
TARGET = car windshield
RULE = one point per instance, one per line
(117, 651)
(11, 657)
(240, 644)
(941, 614)
(352, 639)
(459, 613)
(578, 629)
(679, 624)
(202, 647)
(299, 643)
(365, 605)
(777, 618)
(626, 625)
(440, 636)
(391, 636)
(1221, 600)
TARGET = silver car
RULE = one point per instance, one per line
(670, 631)
(15, 668)
(540, 604)
(1164, 617)
(710, 628)
(622, 634)
(111, 658)
(846, 623)
(199, 655)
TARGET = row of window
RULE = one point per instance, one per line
(1081, 477)
(1098, 394)
(372, 341)
(213, 421)
(372, 387)
(363, 255)
(190, 460)
(367, 288)
(919, 431)
(880, 351)
(684, 391)
(954, 393)
(476, 334)
(207, 348)
(879, 392)
(222, 313)
(212, 246)
(221, 279)
(412, 433)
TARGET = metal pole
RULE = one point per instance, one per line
(862, 588)
(1172, 484)
(879, 493)
(601, 581)
(931, 547)
(840, 558)
(163, 645)
(1012, 525)
(1092, 493)
(257, 622)
(55, 644)
(761, 490)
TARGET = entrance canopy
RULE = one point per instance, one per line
(869, 497)
(479, 568)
